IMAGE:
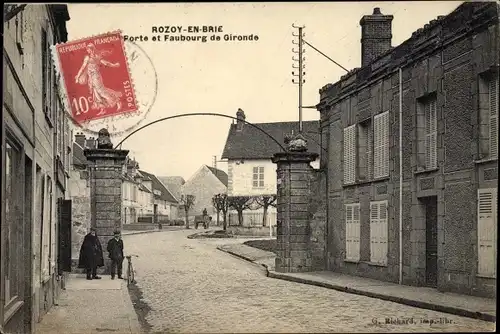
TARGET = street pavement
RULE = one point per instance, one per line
(189, 286)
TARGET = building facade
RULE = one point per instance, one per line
(429, 105)
(164, 203)
(35, 160)
(204, 185)
(251, 172)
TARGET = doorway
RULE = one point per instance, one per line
(431, 241)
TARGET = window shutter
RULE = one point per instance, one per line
(255, 179)
(493, 94)
(431, 134)
(381, 145)
(349, 232)
(261, 176)
(369, 152)
(486, 232)
(350, 154)
(356, 232)
(383, 242)
(374, 233)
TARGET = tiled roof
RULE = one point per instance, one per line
(158, 185)
(220, 174)
(144, 188)
(173, 184)
(251, 143)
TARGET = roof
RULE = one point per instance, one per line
(144, 188)
(220, 174)
(251, 143)
(467, 17)
(173, 184)
(166, 195)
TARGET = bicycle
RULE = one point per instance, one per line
(130, 270)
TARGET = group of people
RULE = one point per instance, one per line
(91, 255)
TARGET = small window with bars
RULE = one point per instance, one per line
(258, 177)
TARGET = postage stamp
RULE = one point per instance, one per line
(96, 77)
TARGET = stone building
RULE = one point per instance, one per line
(444, 82)
(35, 163)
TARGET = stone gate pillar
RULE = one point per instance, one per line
(105, 165)
(293, 222)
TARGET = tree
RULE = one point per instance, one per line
(221, 204)
(239, 203)
(265, 201)
(188, 202)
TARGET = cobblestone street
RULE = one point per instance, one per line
(190, 286)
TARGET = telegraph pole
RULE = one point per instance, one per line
(300, 67)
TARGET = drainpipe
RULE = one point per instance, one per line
(400, 176)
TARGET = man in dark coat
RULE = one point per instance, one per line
(115, 250)
(91, 255)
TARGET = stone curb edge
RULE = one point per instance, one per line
(399, 300)
(244, 258)
(133, 321)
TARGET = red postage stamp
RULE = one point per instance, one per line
(96, 77)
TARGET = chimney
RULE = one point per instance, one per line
(80, 139)
(90, 143)
(376, 36)
(240, 115)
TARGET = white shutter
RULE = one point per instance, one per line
(381, 145)
(374, 233)
(486, 231)
(383, 242)
(356, 232)
(431, 134)
(378, 232)
(348, 232)
(369, 152)
(350, 154)
(352, 228)
(493, 94)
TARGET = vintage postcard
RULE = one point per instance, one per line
(249, 167)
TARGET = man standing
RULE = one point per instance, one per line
(115, 249)
(91, 255)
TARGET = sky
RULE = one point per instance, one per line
(222, 76)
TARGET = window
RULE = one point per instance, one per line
(378, 232)
(427, 133)
(47, 77)
(365, 151)
(352, 231)
(45, 223)
(350, 154)
(488, 117)
(381, 145)
(258, 177)
(487, 232)
(12, 230)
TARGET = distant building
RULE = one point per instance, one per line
(204, 185)
(249, 151)
(449, 102)
(173, 184)
(35, 166)
(165, 204)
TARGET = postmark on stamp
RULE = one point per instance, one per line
(97, 75)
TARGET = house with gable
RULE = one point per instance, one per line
(249, 151)
(165, 205)
(173, 184)
(204, 185)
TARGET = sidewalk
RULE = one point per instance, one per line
(97, 306)
(427, 298)
(164, 229)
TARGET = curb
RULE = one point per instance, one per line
(244, 258)
(399, 300)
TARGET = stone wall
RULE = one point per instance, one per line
(79, 192)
